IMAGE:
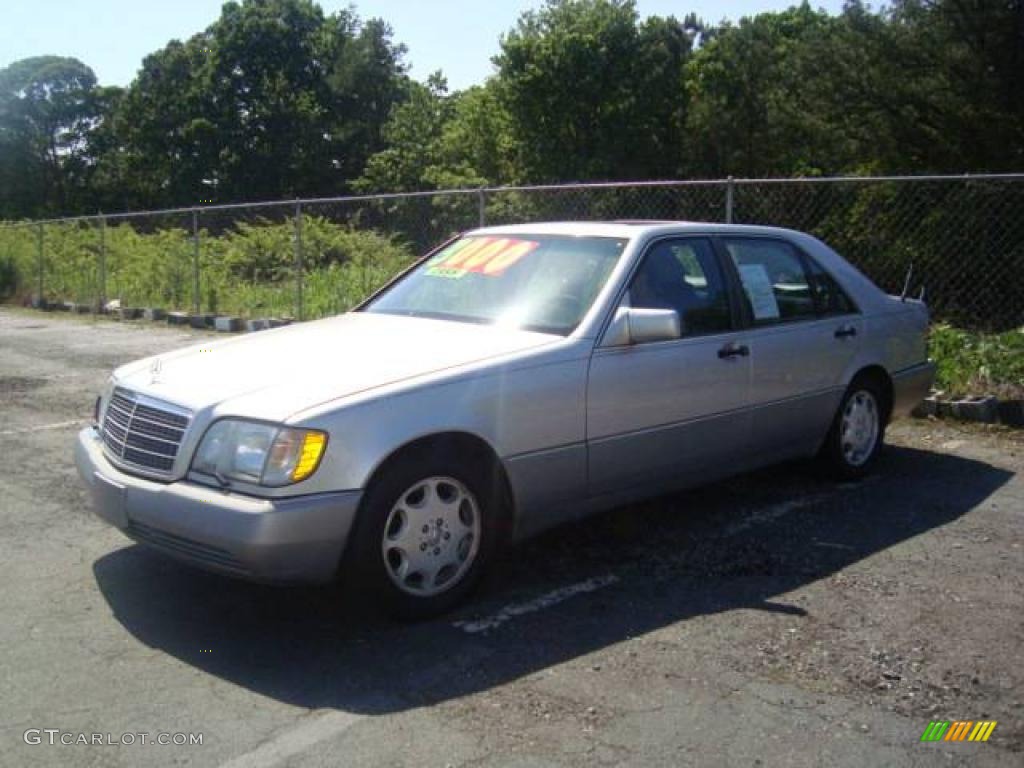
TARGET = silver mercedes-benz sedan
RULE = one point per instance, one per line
(513, 379)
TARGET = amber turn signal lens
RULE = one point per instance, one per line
(313, 444)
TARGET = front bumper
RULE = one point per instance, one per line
(910, 386)
(299, 539)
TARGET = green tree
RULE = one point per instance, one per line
(593, 93)
(366, 78)
(438, 140)
(477, 145)
(160, 142)
(760, 97)
(274, 99)
(47, 108)
(951, 75)
(412, 136)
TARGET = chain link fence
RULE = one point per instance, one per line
(963, 235)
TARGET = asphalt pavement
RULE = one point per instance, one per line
(774, 619)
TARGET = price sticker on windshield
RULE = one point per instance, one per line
(489, 256)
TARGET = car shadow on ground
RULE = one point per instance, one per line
(733, 545)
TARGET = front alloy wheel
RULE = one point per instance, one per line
(427, 527)
(431, 537)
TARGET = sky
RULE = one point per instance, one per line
(458, 37)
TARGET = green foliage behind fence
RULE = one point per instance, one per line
(963, 236)
(978, 363)
(248, 269)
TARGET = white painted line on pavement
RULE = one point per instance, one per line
(291, 742)
(513, 610)
(775, 511)
(42, 427)
(833, 545)
(772, 512)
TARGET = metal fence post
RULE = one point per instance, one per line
(298, 261)
(101, 299)
(39, 249)
(729, 187)
(196, 298)
(481, 202)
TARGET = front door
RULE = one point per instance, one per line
(664, 414)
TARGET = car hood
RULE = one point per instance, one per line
(274, 374)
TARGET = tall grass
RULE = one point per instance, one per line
(248, 269)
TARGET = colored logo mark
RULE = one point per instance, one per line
(958, 730)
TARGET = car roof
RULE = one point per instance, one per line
(622, 229)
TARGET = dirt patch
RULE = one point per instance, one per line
(19, 385)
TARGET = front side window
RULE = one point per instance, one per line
(683, 275)
(775, 285)
(543, 283)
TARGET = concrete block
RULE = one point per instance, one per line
(984, 409)
(927, 407)
(257, 324)
(1011, 412)
(227, 324)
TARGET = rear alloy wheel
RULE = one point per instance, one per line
(857, 431)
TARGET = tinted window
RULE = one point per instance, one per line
(683, 275)
(830, 298)
(774, 282)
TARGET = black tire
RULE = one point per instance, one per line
(368, 576)
(838, 456)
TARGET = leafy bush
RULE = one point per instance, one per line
(251, 268)
(248, 269)
(978, 363)
(8, 277)
(18, 251)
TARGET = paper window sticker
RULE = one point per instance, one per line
(760, 291)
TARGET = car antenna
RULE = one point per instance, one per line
(906, 282)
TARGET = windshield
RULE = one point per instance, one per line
(542, 283)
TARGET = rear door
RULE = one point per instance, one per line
(804, 333)
(660, 414)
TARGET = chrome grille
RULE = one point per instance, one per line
(143, 432)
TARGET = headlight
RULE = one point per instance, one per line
(262, 454)
(100, 408)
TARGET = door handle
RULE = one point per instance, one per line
(733, 350)
(844, 331)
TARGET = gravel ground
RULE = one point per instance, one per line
(776, 619)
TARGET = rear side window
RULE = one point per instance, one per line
(684, 275)
(776, 287)
(830, 298)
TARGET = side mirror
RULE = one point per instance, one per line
(638, 326)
